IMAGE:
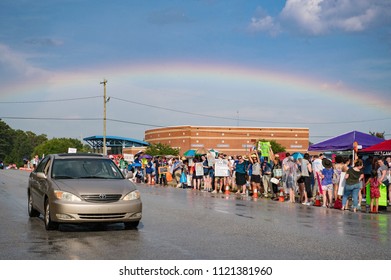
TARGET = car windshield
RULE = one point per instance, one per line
(74, 168)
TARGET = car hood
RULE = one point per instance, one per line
(95, 186)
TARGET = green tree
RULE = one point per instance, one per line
(160, 149)
(60, 145)
(22, 148)
(6, 139)
(16, 145)
(378, 134)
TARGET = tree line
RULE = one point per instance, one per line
(16, 146)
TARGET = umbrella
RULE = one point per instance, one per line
(190, 153)
(297, 155)
(146, 156)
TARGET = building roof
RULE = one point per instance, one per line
(114, 141)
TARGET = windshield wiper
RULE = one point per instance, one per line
(92, 177)
(63, 177)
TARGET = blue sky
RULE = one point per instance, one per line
(325, 65)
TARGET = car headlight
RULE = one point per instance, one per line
(66, 196)
(132, 195)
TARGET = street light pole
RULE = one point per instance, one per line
(104, 116)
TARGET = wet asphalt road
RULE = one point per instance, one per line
(184, 224)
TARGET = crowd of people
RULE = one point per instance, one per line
(310, 180)
(340, 182)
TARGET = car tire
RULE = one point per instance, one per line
(32, 211)
(131, 225)
(49, 224)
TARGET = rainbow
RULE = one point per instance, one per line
(195, 73)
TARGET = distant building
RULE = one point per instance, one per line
(228, 140)
(115, 144)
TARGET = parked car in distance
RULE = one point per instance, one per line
(82, 188)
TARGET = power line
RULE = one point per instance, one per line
(49, 101)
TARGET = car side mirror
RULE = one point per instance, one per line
(41, 175)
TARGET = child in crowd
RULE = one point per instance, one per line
(327, 182)
(375, 191)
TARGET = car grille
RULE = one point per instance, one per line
(101, 197)
(102, 216)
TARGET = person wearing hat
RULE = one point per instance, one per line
(327, 182)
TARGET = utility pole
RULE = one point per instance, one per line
(105, 100)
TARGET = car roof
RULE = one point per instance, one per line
(77, 155)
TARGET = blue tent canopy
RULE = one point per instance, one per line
(346, 141)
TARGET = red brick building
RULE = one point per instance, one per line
(228, 140)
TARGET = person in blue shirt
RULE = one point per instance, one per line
(327, 182)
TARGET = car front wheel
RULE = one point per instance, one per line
(49, 224)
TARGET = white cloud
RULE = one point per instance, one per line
(304, 13)
(265, 24)
(359, 22)
(317, 17)
(15, 63)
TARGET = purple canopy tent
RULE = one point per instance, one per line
(345, 142)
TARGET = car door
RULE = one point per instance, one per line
(39, 185)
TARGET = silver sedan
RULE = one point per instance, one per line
(82, 188)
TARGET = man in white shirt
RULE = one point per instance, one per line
(317, 168)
